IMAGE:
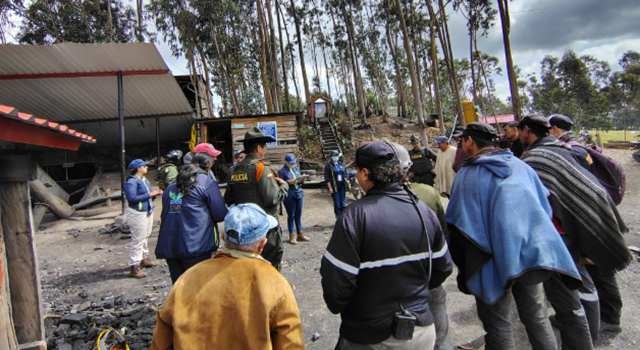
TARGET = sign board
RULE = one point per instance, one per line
(269, 129)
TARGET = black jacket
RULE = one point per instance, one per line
(378, 259)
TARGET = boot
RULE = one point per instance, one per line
(302, 237)
(136, 272)
(292, 239)
(146, 263)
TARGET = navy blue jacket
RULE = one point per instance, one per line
(189, 222)
(295, 191)
(137, 192)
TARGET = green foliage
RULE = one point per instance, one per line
(53, 21)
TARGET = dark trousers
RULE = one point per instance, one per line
(590, 302)
(438, 307)
(609, 294)
(496, 319)
(294, 214)
(339, 201)
(273, 250)
(179, 266)
(570, 317)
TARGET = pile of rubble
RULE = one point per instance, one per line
(81, 324)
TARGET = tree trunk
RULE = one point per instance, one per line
(293, 61)
(505, 19)
(412, 69)
(282, 56)
(139, 24)
(474, 85)
(264, 66)
(360, 98)
(436, 75)
(396, 66)
(110, 21)
(273, 60)
(225, 73)
(416, 60)
(296, 20)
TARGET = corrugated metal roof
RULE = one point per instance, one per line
(501, 118)
(89, 97)
(76, 58)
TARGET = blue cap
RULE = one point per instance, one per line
(247, 223)
(440, 139)
(290, 158)
(136, 163)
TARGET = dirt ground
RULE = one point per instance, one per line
(80, 265)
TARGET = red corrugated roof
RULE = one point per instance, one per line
(12, 113)
(502, 118)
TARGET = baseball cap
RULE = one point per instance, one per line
(208, 149)
(136, 163)
(440, 139)
(561, 121)
(374, 153)
(247, 223)
(290, 158)
(481, 130)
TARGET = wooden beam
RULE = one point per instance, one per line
(7, 331)
(22, 263)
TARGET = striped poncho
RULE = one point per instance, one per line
(582, 207)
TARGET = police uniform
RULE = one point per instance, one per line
(252, 181)
(422, 167)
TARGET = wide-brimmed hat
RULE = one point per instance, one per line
(560, 121)
(255, 135)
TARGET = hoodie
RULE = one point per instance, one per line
(501, 227)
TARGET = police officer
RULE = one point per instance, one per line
(253, 181)
(422, 159)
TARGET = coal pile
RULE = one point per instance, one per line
(79, 326)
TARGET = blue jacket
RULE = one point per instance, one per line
(501, 227)
(189, 222)
(336, 175)
(138, 194)
(287, 174)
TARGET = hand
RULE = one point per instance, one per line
(280, 181)
(156, 193)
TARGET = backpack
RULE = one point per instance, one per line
(609, 173)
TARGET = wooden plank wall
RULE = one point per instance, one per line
(287, 135)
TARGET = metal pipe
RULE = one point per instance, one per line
(120, 103)
(157, 143)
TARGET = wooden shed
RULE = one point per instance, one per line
(226, 133)
(319, 108)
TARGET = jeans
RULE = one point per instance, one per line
(570, 316)
(438, 307)
(294, 213)
(339, 201)
(424, 338)
(179, 266)
(609, 294)
(496, 319)
(141, 224)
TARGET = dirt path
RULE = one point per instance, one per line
(81, 267)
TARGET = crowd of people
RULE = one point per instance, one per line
(526, 220)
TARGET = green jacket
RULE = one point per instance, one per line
(167, 174)
(253, 181)
(431, 198)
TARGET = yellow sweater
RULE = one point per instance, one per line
(234, 301)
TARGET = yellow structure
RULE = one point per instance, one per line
(469, 111)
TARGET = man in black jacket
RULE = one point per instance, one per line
(387, 250)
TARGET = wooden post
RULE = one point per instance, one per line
(22, 264)
(7, 331)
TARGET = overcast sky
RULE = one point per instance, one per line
(602, 28)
